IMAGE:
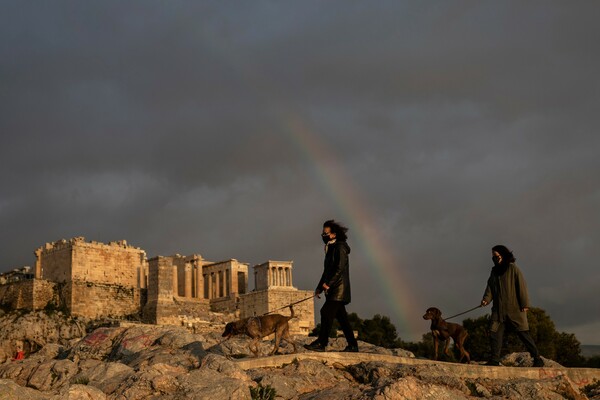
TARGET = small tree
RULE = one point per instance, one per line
(568, 350)
(379, 331)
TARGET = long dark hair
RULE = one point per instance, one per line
(337, 228)
(507, 255)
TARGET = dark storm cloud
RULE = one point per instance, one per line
(461, 125)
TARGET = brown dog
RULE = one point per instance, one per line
(259, 327)
(442, 330)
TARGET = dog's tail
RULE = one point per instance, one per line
(292, 311)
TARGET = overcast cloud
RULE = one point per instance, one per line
(454, 125)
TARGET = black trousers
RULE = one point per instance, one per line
(497, 336)
(335, 310)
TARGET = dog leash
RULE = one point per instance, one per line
(474, 308)
(289, 305)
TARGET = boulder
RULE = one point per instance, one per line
(82, 392)
(525, 360)
(106, 376)
(11, 390)
(207, 383)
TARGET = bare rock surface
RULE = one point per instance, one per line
(137, 361)
(37, 329)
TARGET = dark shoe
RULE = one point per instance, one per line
(538, 362)
(492, 363)
(315, 346)
(351, 349)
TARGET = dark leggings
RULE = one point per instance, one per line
(329, 311)
(497, 337)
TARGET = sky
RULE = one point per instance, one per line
(433, 130)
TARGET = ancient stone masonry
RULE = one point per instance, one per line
(273, 290)
(94, 280)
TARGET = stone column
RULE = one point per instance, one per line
(228, 282)
(290, 272)
(218, 283)
(188, 280)
(175, 282)
(199, 282)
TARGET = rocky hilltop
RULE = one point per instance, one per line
(68, 358)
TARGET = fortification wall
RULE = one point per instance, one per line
(223, 305)
(17, 295)
(56, 261)
(95, 300)
(44, 293)
(113, 264)
(33, 294)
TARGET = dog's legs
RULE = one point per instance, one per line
(446, 344)
(435, 345)
(255, 343)
(277, 340)
(461, 347)
(286, 336)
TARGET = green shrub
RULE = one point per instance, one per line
(262, 392)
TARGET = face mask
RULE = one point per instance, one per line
(325, 238)
(496, 260)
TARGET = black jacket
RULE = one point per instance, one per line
(336, 272)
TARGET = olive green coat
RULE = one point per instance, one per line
(508, 291)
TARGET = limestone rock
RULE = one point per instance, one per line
(106, 376)
(206, 383)
(224, 366)
(166, 362)
(525, 360)
(33, 331)
(82, 392)
(10, 390)
(411, 388)
(299, 378)
(52, 374)
(98, 344)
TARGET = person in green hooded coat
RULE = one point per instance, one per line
(507, 289)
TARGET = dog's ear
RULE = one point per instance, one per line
(437, 312)
(228, 330)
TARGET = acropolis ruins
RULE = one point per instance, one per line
(116, 280)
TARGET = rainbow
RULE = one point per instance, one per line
(330, 175)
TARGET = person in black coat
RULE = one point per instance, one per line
(335, 282)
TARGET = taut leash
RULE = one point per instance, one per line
(289, 305)
(474, 308)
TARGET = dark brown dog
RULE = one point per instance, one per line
(442, 330)
(259, 327)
